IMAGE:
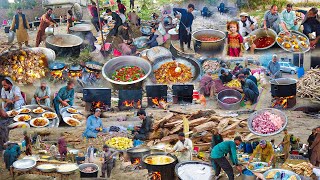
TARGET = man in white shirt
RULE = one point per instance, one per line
(247, 24)
(185, 147)
(11, 95)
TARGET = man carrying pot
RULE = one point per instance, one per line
(45, 21)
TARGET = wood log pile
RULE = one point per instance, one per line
(201, 126)
(308, 86)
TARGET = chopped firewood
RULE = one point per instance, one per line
(170, 138)
(215, 118)
(198, 121)
(204, 127)
(171, 124)
(249, 137)
(163, 105)
(232, 126)
(195, 139)
(207, 138)
(223, 124)
(201, 113)
(156, 134)
(165, 132)
(203, 146)
(164, 119)
(178, 112)
(176, 129)
(228, 133)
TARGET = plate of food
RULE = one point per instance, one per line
(258, 167)
(39, 122)
(67, 168)
(47, 167)
(72, 121)
(22, 118)
(38, 110)
(72, 110)
(13, 113)
(25, 111)
(19, 125)
(296, 42)
(49, 115)
(78, 117)
(281, 174)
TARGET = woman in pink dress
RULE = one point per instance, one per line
(235, 40)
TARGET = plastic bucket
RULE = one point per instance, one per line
(300, 72)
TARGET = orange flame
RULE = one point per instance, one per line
(128, 103)
(98, 104)
(156, 176)
(282, 101)
(136, 161)
(75, 74)
(156, 101)
(56, 74)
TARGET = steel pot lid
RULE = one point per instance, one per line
(145, 30)
(140, 41)
(75, 68)
(283, 81)
(56, 66)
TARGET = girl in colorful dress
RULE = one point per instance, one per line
(235, 40)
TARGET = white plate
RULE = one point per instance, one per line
(47, 167)
(29, 110)
(10, 115)
(43, 115)
(72, 112)
(17, 117)
(16, 124)
(32, 122)
(66, 119)
(34, 111)
(74, 115)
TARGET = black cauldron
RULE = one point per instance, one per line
(283, 87)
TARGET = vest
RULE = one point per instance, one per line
(244, 23)
(17, 21)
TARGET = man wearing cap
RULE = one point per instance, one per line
(184, 147)
(266, 152)
(285, 144)
(42, 95)
(315, 147)
(64, 97)
(271, 19)
(94, 125)
(219, 159)
(247, 24)
(11, 95)
(288, 20)
(249, 88)
(143, 131)
(108, 161)
(273, 68)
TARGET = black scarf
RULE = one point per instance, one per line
(244, 22)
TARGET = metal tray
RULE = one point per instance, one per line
(195, 67)
(260, 170)
(53, 122)
(291, 49)
(272, 110)
(24, 164)
(158, 52)
(290, 173)
(138, 42)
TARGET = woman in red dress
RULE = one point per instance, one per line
(235, 40)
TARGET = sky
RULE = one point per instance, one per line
(11, 1)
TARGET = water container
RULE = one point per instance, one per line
(248, 175)
(300, 72)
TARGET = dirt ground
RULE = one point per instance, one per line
(299, 123)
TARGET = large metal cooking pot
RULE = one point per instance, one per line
(201, 170)
(138, 152)
(196, 69)
(166, 170)
(263, 33)
(24, 164)
(209, 47)
(64, 44)
(81, 28)
(119, 62)
(229, 93)
(283, 87)
(94, 173)
(49, 31)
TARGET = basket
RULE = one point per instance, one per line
(271, 110)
